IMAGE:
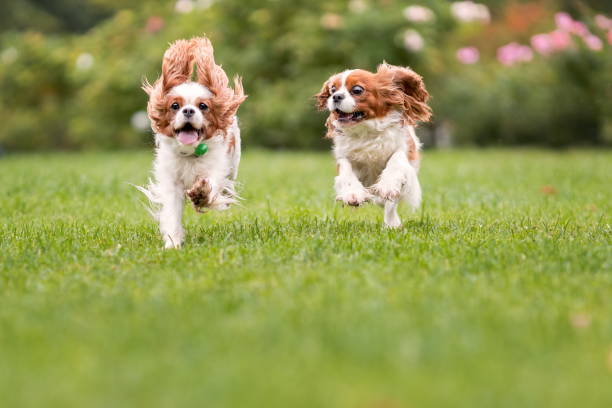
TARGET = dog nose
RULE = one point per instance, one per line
(338, 97)
(188, 112)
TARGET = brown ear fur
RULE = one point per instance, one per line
(412, 94)
(323, 96)
(331, 129)
(177, 67)
(225, 102)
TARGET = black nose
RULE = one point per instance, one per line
(338, 97)
(188, 112)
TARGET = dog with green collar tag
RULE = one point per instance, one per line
(197, 138)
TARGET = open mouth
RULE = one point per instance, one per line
(188, 134)
(350, 116)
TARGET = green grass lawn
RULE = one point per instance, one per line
(497, 293)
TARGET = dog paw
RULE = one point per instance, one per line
(172, 242)
(353, 198)
(386, 191)
(200, 194)
(393, 223)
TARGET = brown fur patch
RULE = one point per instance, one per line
(414, 96)
(325, 92)
(231, 145)
(199, 194)
(330, 127)
(225, 101)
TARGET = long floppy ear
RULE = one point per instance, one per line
(177, 65)
(323, 96)
(413, 93)
(226, 100)
(208, 72)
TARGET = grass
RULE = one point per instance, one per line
(498, 293)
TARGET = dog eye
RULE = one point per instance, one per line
(332, 89)
(357, 90)
(203, 106)
(175, 106)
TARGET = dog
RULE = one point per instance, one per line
(372, 117)
(189, 117)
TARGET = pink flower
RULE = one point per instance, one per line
(579, 28)
(610, 37)
(524, 53)
(468, 11)
(593, 42)
(548, 43)
(560, 40)
(505, 54)
(564, 21)
(468, 55)
(413, 41)
(603, 22)
(418, 14)
(154, 24)
(512, 53)
(542, 43)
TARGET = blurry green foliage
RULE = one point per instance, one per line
(561, 101)
(63, 90)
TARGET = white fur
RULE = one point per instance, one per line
(176, 169)
(190, 91)
(373, 165)
(347, 104)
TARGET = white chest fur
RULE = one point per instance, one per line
(369, 145)
(221, 160)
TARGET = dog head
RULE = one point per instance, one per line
(189, 111)
(357, 95)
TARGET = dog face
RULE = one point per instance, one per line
(188, 106)
(357, 95)
(188, 111)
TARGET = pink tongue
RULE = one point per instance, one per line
(187, 137)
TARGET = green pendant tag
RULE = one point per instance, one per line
(201, 149)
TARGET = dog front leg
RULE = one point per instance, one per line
(170, 217)
(398, 178)
(215, 191)
(349, 189)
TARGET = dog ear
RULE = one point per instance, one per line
(177, 68)
(323, 96)
(208, 72)
(414, 96)
(331, 129)
(177, 65)
(226, 100)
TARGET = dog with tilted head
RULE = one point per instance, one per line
(372, 117)
(197, 139)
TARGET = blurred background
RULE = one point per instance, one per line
(501, 72)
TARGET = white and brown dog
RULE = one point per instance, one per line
(371, 122)
(196, 136)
